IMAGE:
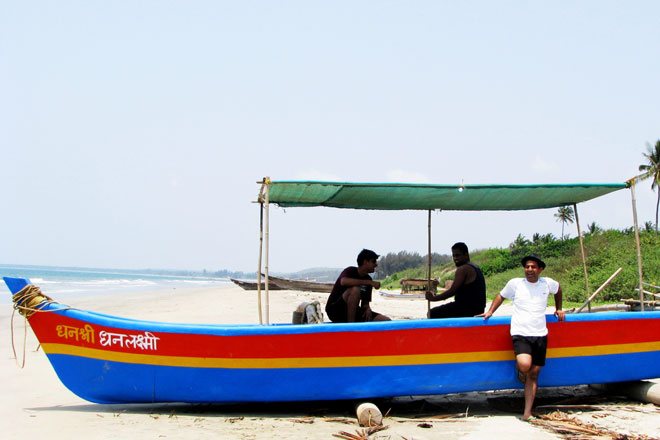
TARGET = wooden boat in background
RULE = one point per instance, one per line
(417, 285)
(110, 359)
(253, 285)
(303, 285)
(397, 294)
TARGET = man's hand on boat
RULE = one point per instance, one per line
(486, 315)
(497, 301)
(560, 314)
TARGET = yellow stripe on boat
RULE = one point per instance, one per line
(599, 350)
(347, 361)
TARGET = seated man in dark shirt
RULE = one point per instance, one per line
(351, 294)
(469, 288)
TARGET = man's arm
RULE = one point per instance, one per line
(356, 282)
(493, 306)
(462, 274)
(559, 313)
(351, 282)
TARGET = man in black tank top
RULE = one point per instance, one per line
(468, 288)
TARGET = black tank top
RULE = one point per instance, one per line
(473, 295)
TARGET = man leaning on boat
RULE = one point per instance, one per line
(351, 294)
(529, 332)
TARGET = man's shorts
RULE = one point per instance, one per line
(452, 310)
(533, 345)
(337, 312)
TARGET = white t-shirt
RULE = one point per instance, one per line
(529, 303)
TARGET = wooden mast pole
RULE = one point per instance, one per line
(428, 303)
(584, 258)
(266, 233)
(631, 182)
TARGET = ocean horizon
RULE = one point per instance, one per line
(65, 282)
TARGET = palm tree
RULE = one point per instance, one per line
(547, 238)
(565, 215)
(519, 242)
(593, 228)
(648, 226)
(651, 169)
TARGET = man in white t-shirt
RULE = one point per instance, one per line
(528, 330)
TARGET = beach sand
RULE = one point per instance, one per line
(35, 403)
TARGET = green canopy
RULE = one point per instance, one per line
(399, 196)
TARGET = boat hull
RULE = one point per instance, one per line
(254, 285)
(301, 285)
(113, 360)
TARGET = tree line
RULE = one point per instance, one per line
(397, 262)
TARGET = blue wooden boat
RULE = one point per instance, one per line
(109, 359)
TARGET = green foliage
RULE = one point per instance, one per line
(495, 260)
(393, 281)
(605, 252)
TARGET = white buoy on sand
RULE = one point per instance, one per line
(368, 414)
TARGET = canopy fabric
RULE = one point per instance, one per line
(400, 196)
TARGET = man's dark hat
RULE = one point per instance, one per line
(533, 257)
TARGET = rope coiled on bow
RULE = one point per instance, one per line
(28, 301)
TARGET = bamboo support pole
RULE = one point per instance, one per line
(651, 285)
(639, 248)
(651, 294)
(428, 303)
(584, 258)
(614, 275)
(261, 246)
(266, 233)
(606, 308)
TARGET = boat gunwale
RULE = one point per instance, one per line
(328, 327)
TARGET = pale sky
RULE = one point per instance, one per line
(132, 133)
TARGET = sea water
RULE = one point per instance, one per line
(62, 282)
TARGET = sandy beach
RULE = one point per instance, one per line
(35, 402)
